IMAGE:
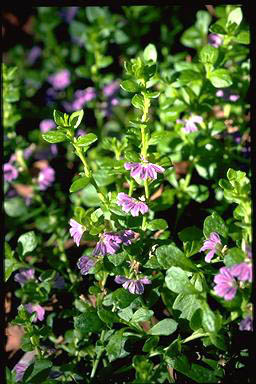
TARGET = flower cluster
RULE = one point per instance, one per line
(37, 309)
(110, 242)
(212, 244)
(214, 39)
(144, 170)
(227, 95)
(60, 80)
(133, 286)
(81, 97)
(190, 124)
(130, 204)
(24, 275)
(85, 264)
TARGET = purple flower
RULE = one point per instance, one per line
(24, 275)
(129, 204)
(133, 286)
(59, 282)
(212, 244)
(190, 124)
(46, 152)
(111, 89)
(126, 236)
(242, 271)
(85, 264)
(46, 125)
(144, 170)
(80, 132)
(69, 13)
(34, 54)
(60, 80)
(226, 285)
(246, 324)
(214, 40)
(46, 178)
(28, 151)
(81, 97)
(10, 172)
(20, 369)
(227, 95)
(76, 231)
(40, 312)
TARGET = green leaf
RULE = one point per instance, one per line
(190, 234)
(107, 316)
(165, 327)
(157, 224)
(150, 53)
(76, 118)
(209, 320)
(85, 141)
(115, 345)
(234, 256)
(187, 303)
(28, 242)
(15, 207)
(196, 319)
(209, 54)
(88, 322)
(150, 343)
(170, 255)
(80, 183)
(54, 137)
(37, 372)
(122, 297)
(220, 78)
(219, 27)
(189, 75)
(198, 192)
(214, 223)
(142, 314)
(243, 37)
(235, 16)
(59, 118)
(138, 101)
(129, 86)
(177, 281)
(144, 368)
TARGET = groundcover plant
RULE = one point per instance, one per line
(127, 195)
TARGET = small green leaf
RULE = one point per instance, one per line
(150, 53)
(177, 281)
(138, 101)
(115, 345)
(15, 207)
(85, 141)
(54, 137)
(235, 16)
(76, 118)
(209, 54)
(234, 256)
(157, 224)
(88, 321)
(165, 327)
(129, 86)
(142, 314)
(220, 78)
(170, 255)
(214, 223)
(80, 183)
(28, 242)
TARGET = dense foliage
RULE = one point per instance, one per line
(128, 196)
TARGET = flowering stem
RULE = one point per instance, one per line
(146, 189)
(131, 187)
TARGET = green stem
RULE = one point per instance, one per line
(131, 186)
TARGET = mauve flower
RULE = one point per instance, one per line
(76, 231)
(111, 89)
(48, 152)
(129, 204)
(20, 369)
(226, 285)
(85, 264)
(242, 271)
(29, 151)
(144, 170)
(68, 13)
(246, 324)
(227, 95)
(190, 123)
(214, 40)
(34, 54)
(80, 132)
(60, 80)
(81, 97)
(40, 311)
(24, 275)
(46, 125)
(212, 245)
(126, 236)
(10, 172)
(248, 250)
(59, 282)
(133, 286)
(46, 178)
(110, 242)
